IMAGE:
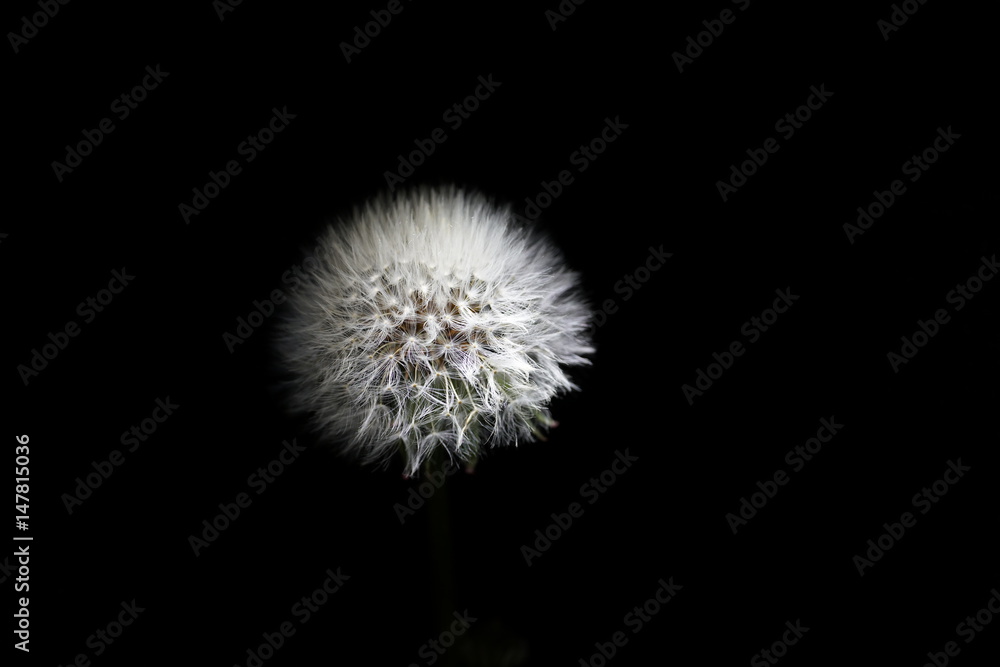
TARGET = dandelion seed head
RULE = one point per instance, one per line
(432, 320)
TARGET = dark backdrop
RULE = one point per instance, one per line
(671, 516)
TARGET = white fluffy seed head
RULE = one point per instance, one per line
(432, 321)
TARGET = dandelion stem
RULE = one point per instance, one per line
(440, 542)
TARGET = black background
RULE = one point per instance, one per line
(654, 186)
